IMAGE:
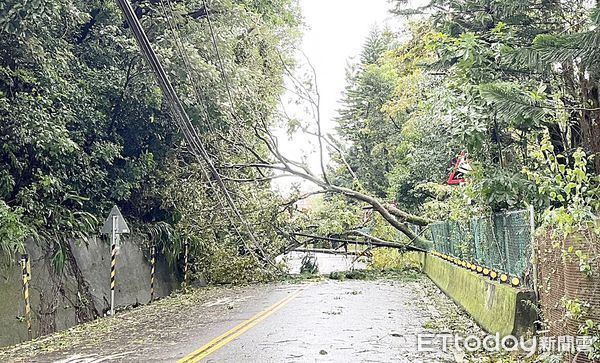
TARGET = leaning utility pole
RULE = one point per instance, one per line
(181, 116)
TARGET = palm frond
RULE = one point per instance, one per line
(512, 103)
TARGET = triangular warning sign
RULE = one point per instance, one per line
(461, 168)
(121, 224)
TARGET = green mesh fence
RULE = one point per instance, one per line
(501, 242)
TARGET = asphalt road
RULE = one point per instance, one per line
(324, 321)
(335, 322)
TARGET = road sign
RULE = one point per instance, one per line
(121, 226)
(461, 168)
(114, 226)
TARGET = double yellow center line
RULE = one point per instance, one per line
(222, 340)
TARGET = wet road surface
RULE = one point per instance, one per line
(337, 322)
(322, 321)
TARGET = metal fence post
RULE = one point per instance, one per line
(449, 247)
(534, 271)
(506, 236)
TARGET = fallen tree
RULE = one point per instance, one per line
(325, 251)
(367, 240)
(262, 152)
(277, 162)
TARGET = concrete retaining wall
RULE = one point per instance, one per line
(497, 308)
(81, 291)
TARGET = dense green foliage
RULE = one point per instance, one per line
(363, 121)
(491, 79)
(515, 84)
(84, 126)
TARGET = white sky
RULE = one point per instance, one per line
(336, 31)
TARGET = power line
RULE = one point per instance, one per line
(179, 112)
(222, 70)
(219, 59)
(176, 30)
(187, 65)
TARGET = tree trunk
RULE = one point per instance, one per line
(590, 119)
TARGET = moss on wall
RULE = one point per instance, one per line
(80, 292)
(497, 308)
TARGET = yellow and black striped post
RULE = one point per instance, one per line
(113, 265)
(152, 268)
(185, 264)
(26, 269)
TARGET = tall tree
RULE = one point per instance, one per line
(84, 126)
(362, 123)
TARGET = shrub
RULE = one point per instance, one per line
(388, 259)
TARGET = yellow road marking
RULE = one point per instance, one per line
(223, 339)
